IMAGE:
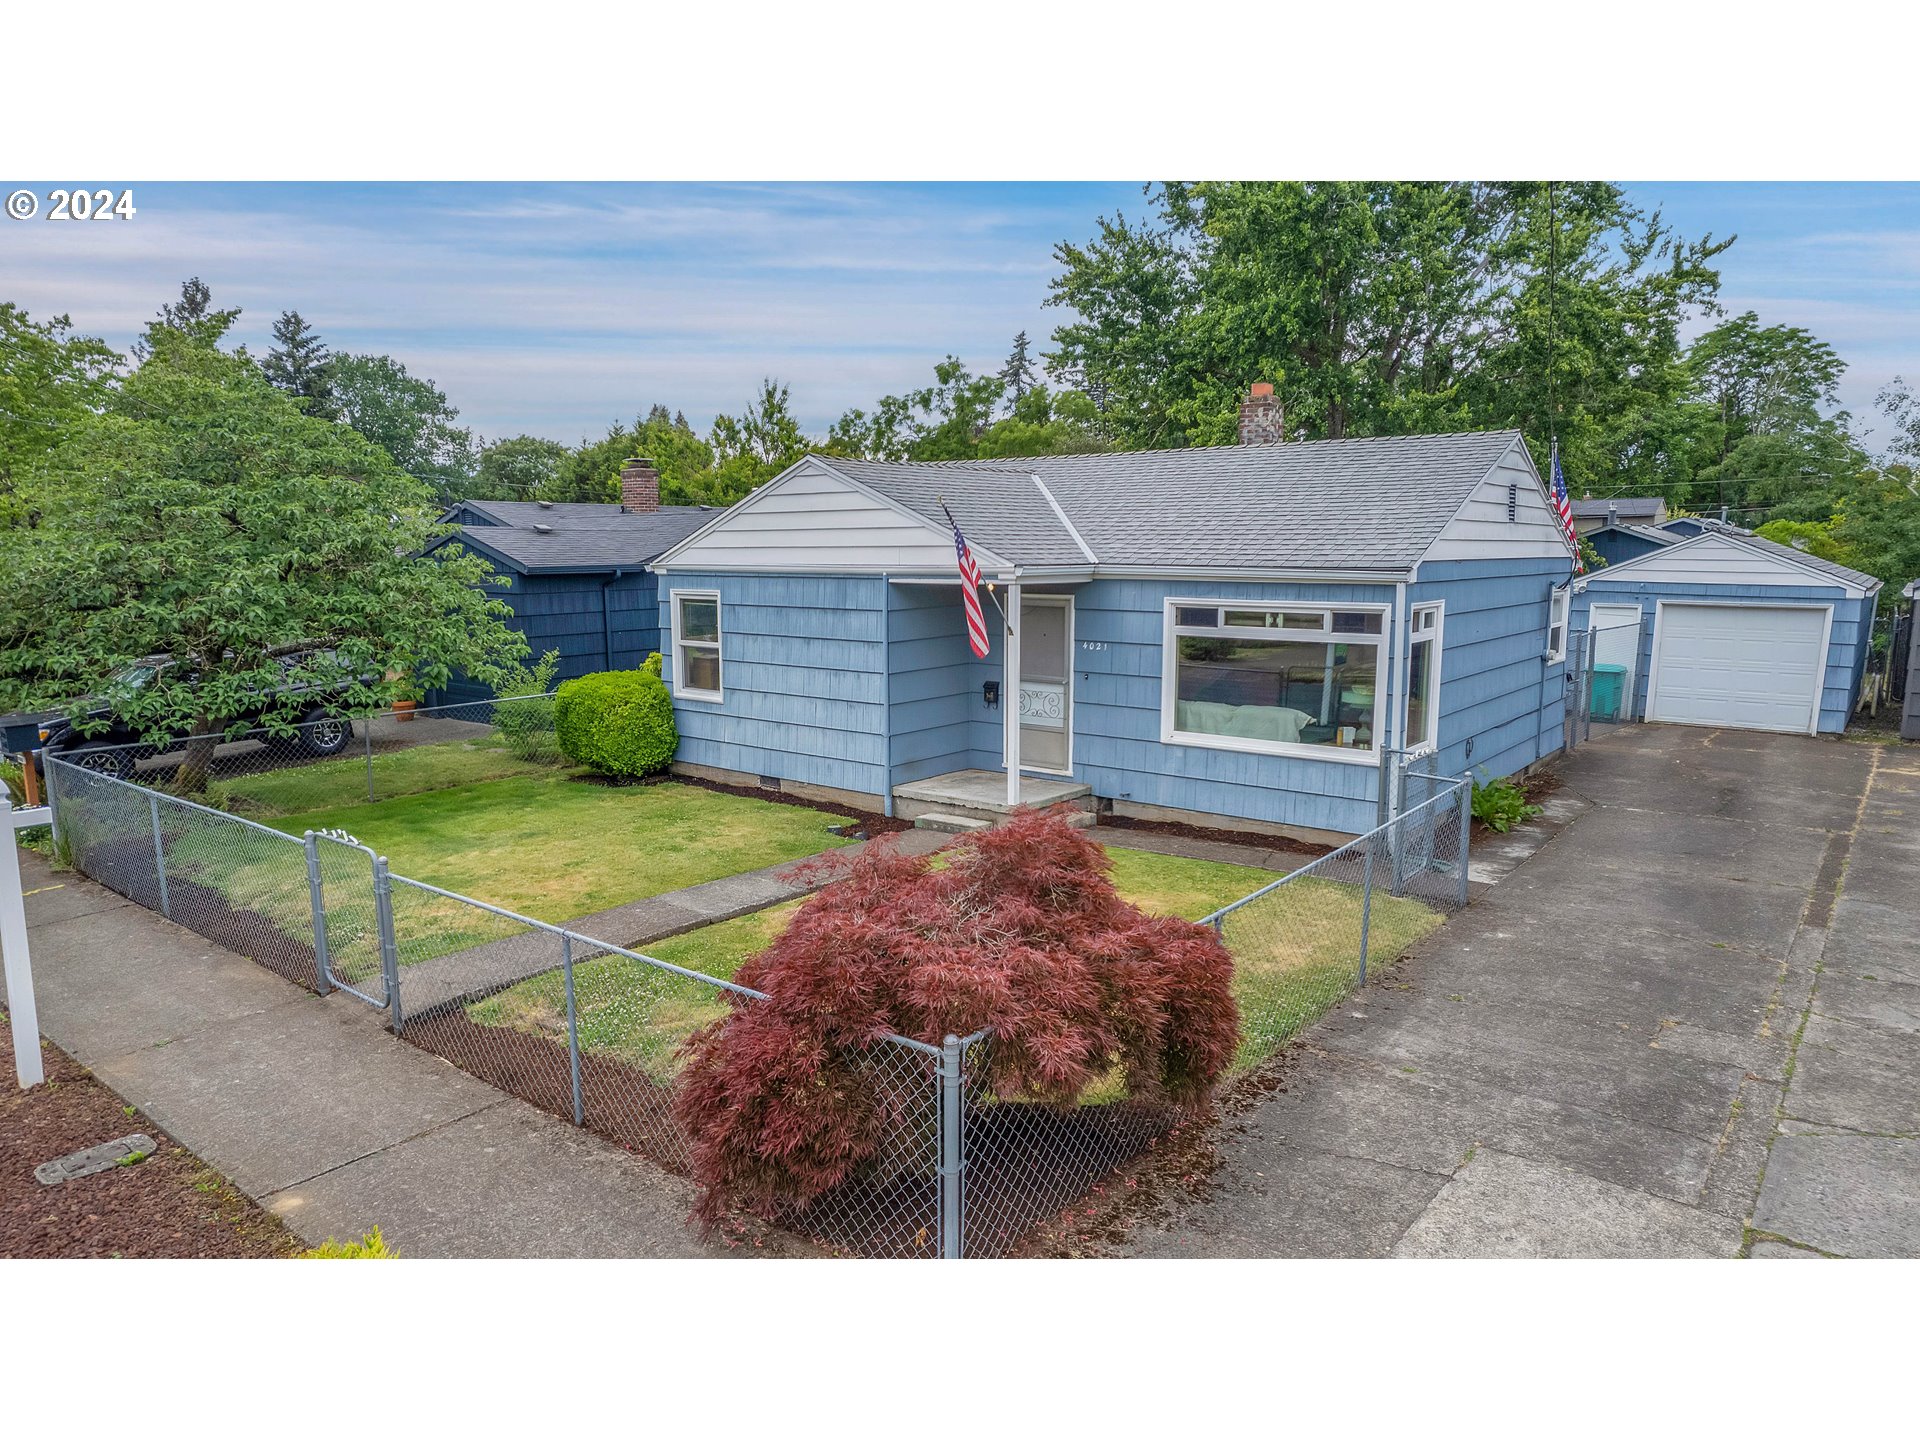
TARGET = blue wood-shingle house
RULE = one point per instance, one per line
(576, 575)
(1726, 628)
(1213, 635)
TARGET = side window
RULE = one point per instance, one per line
(1422, 719)
(1557, 627)
(696, 645)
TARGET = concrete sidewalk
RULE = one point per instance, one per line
(1596, 1058)
(313, 1109)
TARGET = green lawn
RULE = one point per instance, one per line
(1295, 955)
(521, 835)
(330, 784)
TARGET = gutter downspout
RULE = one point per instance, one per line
(886, 693)
(606, 613)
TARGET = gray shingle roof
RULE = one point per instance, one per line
(1627, 507)
(1367, 504)
(583, 537)
(1812, 562)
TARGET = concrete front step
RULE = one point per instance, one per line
(950, 824)
(982, 795)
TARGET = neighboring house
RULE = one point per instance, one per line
(1617, 544)
(1225, 634)
(1591, 515)
(1910, 714)
(1687, 526)
(576, 575)
(1726, 628)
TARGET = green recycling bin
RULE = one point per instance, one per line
(1609, 690)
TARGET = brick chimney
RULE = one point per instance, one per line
(1262, 421)
(639, 487)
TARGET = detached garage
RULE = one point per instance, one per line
(1728, 629)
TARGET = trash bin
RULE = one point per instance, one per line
(1609, 691)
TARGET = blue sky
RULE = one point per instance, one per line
(556, 309)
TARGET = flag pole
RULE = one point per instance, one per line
(940, 500)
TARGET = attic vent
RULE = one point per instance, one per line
(1513, 503)
(540, 529)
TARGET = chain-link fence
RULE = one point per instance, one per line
(1300, 946)
(330, 762)
(594, 1032)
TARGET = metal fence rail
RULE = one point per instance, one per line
(336, 760)
(592, 1031)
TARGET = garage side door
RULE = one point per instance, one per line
(1753, 667)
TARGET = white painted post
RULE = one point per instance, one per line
(24, 1014)
(1010, 692)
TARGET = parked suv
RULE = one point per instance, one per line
(116, 747)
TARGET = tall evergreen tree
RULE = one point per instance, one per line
(1016, 376)
(300, 364)
(192, 316)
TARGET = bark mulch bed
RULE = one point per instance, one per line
(168, 1205)
(867, 820)
(1246, 839)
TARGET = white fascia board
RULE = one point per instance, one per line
(1818, 577)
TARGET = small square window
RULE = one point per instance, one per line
(1356, 622)
(1197, 616)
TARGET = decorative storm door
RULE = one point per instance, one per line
(1046, 683)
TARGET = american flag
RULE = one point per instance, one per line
(1563, 507)
(969, 589)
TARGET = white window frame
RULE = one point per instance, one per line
(1560, 618)
(681, 690)
(1429, 742)
(1340, 755)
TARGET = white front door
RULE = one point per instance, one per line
(1046, 683)
(1753, 667)
(1616, 641)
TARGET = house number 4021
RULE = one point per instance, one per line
(1093, 644)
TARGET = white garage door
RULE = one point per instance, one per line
(1755, 667)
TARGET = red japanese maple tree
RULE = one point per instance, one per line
(1019, 930)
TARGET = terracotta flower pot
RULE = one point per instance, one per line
(403, 711)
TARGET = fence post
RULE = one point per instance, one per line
(53, 798)
(1366, 903)
(1385, 806)
(366, 737)
(389, 951)
(159, 854)
(951, 1079)
(1465, 800)
(573, 1029)
(322, 961)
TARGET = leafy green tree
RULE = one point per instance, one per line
(523, 468)
(407, 416)
(50, 380)
(300, 364)
(203, 518)
(192, 316)
(958, 418)
(752, 448)
(1388, 308)
(684, 460)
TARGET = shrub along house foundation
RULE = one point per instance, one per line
(1219, 636)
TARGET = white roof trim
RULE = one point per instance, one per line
(809, 464)
(1072, 530)
(1666, 553)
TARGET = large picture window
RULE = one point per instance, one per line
(1283, 678)
(696, 644)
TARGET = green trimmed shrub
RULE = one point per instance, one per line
(618, 722)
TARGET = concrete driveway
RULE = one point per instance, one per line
(1690, 1025)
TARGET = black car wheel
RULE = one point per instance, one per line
(115, 762)
(326, 735)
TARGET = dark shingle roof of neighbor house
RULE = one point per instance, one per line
(579, 536)
(1370, 504)
(1623, 507)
